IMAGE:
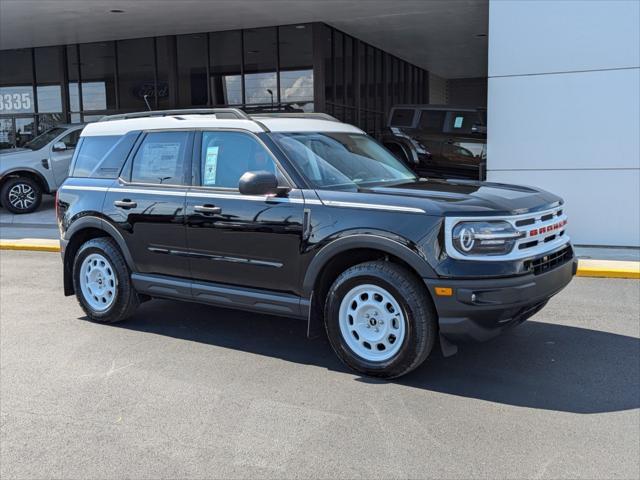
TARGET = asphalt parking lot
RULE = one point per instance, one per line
(189, 391)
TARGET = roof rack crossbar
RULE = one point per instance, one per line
(316, 115)
(218, 112)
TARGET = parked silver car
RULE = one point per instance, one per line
(39, 167)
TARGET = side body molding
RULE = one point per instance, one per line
(378, 241)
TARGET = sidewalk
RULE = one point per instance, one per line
(38, 231)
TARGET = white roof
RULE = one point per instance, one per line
(282, 124)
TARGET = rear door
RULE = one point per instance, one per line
(245, 240)
(147, 202)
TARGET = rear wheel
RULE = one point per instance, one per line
(102, 282)
(380, 320)
(21, 195)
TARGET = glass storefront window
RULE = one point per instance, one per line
(49, 120)
(97, 70)
(136, 74)
(16, 82)
(192, 70)
(48, 63)
(166, 68)
(16, 99)
(225, 60)
(260, 81)
(296, 66)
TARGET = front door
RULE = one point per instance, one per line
(147, 203)
(235, 239)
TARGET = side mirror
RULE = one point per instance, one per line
(59, 147)
(259, 183)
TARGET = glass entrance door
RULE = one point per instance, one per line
(16, 131)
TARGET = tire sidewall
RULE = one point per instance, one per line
(16, 181)
(332, 310)
(105, 315)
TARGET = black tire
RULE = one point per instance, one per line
(413, 299)
(126, 298)
(28, 199)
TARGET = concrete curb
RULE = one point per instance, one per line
(608, 269)
(31, 244)
(586, 268)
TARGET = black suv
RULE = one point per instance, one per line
(439, 140)
(303, 216)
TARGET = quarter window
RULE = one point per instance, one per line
(402, 117)
(226, 156)
(160, 159)
(92, 152)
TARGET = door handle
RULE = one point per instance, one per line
(207, 209)
(126, 204)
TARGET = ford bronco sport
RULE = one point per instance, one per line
(303, 216)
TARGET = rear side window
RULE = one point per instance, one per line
(432, 121)
(92, 151)
(402, 117)
(160, 159)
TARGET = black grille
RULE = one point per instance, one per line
(550, 261)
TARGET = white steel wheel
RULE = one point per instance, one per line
(22, 196)
(98, 282)
(372, 323)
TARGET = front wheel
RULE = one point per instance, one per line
(380, 320)
(21, 195)
(102, 282)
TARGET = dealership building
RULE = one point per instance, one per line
(560, 79)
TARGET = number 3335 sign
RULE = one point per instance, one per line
(14, 100)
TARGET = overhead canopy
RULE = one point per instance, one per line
(445, 37)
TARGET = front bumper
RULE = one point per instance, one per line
(481, 309)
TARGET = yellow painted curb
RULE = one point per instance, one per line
(608, 269)
(31, 244)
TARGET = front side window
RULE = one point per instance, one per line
(43, 139)
(341, 160)
(160, 159)
(71, 139)
(462, 122)
(226, 156)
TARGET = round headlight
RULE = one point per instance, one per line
(466, 239)
(484, 237)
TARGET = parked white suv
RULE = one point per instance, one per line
(39, 167)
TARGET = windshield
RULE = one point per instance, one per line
(43, 139)
(341, 160)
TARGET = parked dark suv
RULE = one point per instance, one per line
(303, 216)
(439, 140)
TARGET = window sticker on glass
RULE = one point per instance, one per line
(210, 166)
(161, 158)
(457, 123)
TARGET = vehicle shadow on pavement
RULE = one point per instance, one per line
(536, 365)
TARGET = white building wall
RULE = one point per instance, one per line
(564, 109)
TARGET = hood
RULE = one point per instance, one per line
(9, 152)
(450, 197)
